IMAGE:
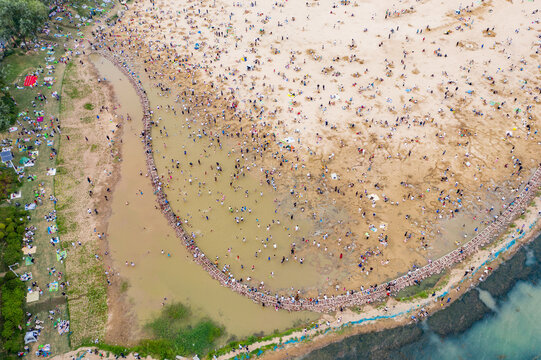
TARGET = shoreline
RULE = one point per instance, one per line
(287, 349)
(338, 334)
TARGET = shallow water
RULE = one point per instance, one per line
(138, 232)
(244, 224)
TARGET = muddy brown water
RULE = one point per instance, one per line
(138, 232)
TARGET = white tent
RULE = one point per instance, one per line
(30, 337)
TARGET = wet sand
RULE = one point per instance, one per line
(138, 233)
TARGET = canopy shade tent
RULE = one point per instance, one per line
(30, 80)
(6, 156)
(24, 160)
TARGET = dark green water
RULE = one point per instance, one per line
(499, 320)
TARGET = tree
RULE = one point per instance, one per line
(8, 110)
(21, 19)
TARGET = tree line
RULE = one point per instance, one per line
(13, 293)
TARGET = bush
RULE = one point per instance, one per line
(174, 336)
(8, 182)
(12, 309)
(8, 111)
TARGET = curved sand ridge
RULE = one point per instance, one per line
(326, 304)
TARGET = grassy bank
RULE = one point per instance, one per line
(37, 187)
(175, 331)
(87, 295)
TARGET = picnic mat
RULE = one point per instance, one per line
(61, 255)
(33, 296)
(53, 286)
(28, 251)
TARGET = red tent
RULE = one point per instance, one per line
(30, 80)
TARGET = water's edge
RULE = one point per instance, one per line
(453, 324)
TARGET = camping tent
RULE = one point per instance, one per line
(30, 337)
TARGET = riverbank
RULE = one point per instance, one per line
(62, 287)
(88, 172)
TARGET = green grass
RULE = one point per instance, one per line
(74, 87)
(234, 345)
(88, 106)
(64, 224)
(175, 331)
(19, 62)
(87, 296)
(421, 291)
(124, 286)
(73, 93)
(16, 65)
(61, 171)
